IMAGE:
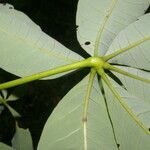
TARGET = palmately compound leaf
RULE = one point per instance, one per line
(138, 56)
(5, 147)
(3, 100)
(64, 128)
(25, 49)
(10, 97)
(22, 139)
(101, 20)
(129, 134)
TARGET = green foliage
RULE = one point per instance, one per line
(22, 139)
(24, 38)
(109, 109)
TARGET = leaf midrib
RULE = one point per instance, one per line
(102, 26)
(48, 52)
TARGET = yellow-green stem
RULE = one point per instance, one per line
(121, 101)
(85, 105)
(113, 68)
(89, 62)
(122, 50)
(76, 65)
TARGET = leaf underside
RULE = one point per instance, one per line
(129, 134)
(102, 31)
(25, 49)
(109, 124)
(138, 56)
(65, 124)
(105, 18)
(22, 139)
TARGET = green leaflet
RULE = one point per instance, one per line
(135, 87)
(125, 124)
(5, 147)
(128, 134)
(64, 129)
(25, 49)
(22, 139)
(99, 21)
(138, 56)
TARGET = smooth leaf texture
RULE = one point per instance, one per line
(128, 133)
(138, 93)
(22, 139)
(5, 147)
(138, 56)
(135, 87)
(25, 49)
(64, 129)
(103, 19)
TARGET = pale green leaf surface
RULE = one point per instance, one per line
(64, 128)
(13, 111)
(5, 147)
(92, 16)
(12, 97)
(22, 139)
(135, 87)
(25, 49)
(129, 134)
(137, 56)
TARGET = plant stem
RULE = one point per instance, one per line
(86, 104)
(76, 65)
(110, 67)
(121, 101)
(122, 50)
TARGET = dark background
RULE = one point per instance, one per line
(56, 18)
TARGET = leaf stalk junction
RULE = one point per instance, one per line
(98, 65)
(92, 62)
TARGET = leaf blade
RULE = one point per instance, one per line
(25, 49)
(5, 147)
(65, 124)
(22, 139)
(126, 129)
(137, 56)
(135, 87)
(102, 17)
